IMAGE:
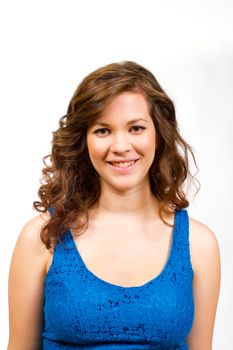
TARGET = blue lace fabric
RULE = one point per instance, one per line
(82, 311)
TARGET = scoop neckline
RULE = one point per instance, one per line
(113, 285)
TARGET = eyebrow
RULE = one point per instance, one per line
(128, 123)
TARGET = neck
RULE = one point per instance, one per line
(133, 202)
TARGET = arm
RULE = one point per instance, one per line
(26, 282)
(206, 284)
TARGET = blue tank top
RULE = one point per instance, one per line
(82, 311)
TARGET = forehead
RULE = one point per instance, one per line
(127, 105)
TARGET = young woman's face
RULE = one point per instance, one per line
(122, 142)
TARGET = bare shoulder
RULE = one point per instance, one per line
(31, 230)
(29, 241)
(203, 243)
(26, 284)
(205, 258)
(201, 233)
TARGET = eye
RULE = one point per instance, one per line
(102, 131)
(138, 128)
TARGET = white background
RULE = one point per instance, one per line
(47, 47)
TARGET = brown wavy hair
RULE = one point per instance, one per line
(70, 184)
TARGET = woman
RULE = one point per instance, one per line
(114, 261)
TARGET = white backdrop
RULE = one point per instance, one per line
(47, 47)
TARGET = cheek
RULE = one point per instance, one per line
(96, 148)
(148, 143)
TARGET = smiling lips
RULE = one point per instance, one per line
(123, 164)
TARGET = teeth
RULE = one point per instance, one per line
(123, 164)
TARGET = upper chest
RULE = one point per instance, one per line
(128, 258)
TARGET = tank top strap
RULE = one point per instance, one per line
(182, 228)
(66, 243)
(51, 211)
(181, 249)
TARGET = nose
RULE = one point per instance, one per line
(120, 144)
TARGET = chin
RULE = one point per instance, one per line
(123, 187)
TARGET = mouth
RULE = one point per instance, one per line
(123, 165)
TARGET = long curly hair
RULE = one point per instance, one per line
(70, 184)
